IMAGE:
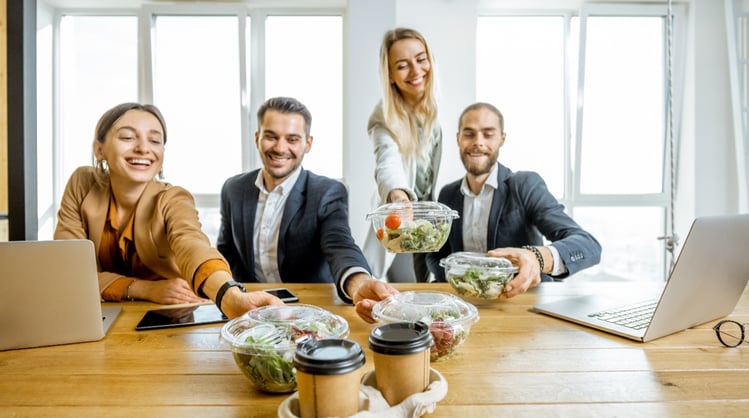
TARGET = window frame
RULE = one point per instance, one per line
(577, 198)
(249, 102)
(674, 98)
(253, 64)
(572, 197)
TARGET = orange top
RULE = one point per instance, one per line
(117, 253)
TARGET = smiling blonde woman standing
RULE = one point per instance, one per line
(146, 233)
(405, 133)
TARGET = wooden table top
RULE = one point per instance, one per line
(514, 363)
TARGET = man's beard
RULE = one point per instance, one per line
(478, 169)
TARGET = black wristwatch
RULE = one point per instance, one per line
(224, 288)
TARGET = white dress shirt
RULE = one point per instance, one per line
(268, 215)
(476, 211)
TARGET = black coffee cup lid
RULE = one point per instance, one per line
(328, 356)
(400, 338)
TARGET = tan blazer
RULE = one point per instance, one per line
(168, 237)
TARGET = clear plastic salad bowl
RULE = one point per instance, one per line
(263, 341)
(449, 317)
(478, 275)
(412, 227)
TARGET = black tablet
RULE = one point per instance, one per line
(181, 317)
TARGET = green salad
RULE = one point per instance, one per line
(419, 236)
(485, 283)
(268, 369)
(267, 357)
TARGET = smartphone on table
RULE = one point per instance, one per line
(286, 295)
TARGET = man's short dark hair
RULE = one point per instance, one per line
(285, 105)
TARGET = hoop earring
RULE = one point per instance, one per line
(102, 166)
(161, 174)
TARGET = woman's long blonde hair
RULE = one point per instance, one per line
(402, 120)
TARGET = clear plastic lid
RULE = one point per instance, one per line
(458, 263)
(283, 326)
(419, 210)
(426, 307)
(412, 227)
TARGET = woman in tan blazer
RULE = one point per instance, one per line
(146, 233)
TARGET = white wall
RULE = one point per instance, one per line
(707, 167)
(366, 22)
(449, 28)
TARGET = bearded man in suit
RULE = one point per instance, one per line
(508, 214)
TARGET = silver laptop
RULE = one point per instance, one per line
(49, 294)
(706, 283)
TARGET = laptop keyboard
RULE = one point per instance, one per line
(636, 316)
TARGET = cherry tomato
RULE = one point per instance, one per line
(392, 221)
(380, 234)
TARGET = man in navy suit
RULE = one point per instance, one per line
(282, 223)
(506, 214)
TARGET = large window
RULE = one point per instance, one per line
(584, 99)
(521, 69)
(207, 69)
(196, 85)
(584, 94)
(310, 68)
(98, 69)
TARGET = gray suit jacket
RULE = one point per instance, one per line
(314, 244)
(523, 212)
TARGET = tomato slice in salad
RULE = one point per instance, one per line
(380, 234)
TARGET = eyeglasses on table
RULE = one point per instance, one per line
(730, 333)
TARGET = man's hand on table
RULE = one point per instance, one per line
(236, 302)
(365, 292)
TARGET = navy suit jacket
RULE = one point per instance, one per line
(314, 244)
(523, 212)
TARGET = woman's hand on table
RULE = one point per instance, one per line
(165, 292)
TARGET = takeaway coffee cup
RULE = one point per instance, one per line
(401, 359)
(328, 375)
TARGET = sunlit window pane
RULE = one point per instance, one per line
(98, 69)
(629, 238)
(303, 59)
(520, 69)
(623, 118)
(197, 87)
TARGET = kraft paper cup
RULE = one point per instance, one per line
(401, 359)
(328, 376)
